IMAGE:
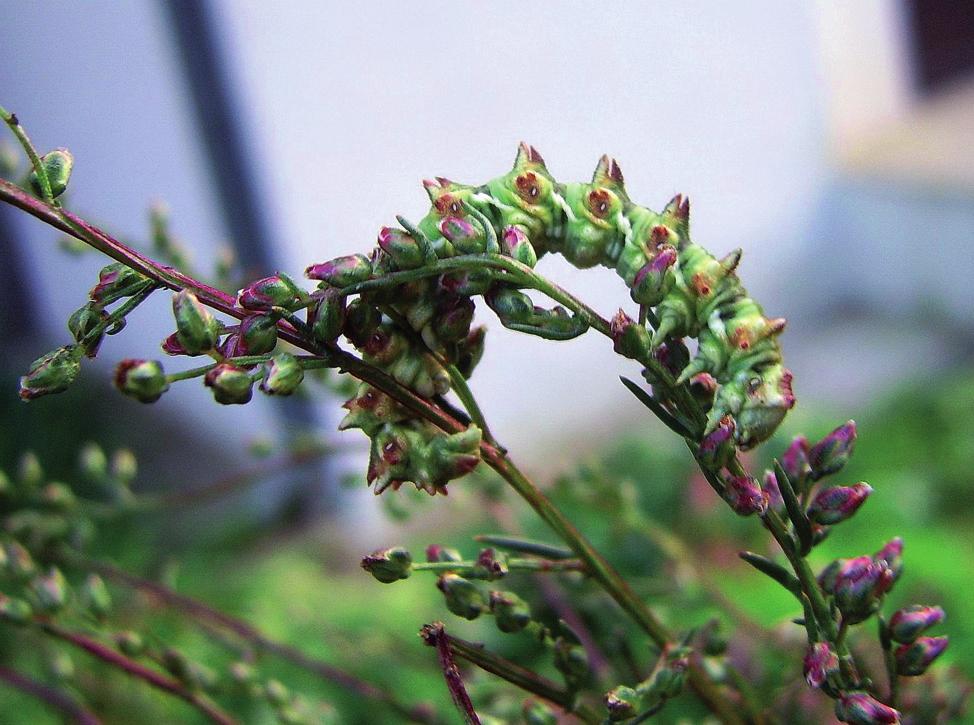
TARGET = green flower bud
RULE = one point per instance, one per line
(277, 692)
(57, 166)
(196, 329)
(258, 335)
(15, 610)
(452, 319)
(511, 613)
(50, 590)
(113, 281)
(629, 339)
(144, 380)
(435, 552)
(58, 496)
(463, 597)
(93, 462)
(342, 271)
(130, 643)
(537, 713)
(124, 466)
(389, 565)
(30, 473)
(51, 373)
(61, 666)
(83, 322)
(622, 703)
(242, 672)
(326, 316)
(571, 661)
(231, 385)
(276, 291)
(19, 563)
(361, 320)
(402, 247)
(95, 596)
(282, 375)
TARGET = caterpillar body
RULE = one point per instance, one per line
(416, 328)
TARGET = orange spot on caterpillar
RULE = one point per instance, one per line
(527, 187)
(598, 202)
(659, 234)
(448, 204)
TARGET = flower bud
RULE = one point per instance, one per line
(830, 454)
(795, 462)
(435, 552)
(571, 660)
(652, 282)
(50, 590)
(628, 338)
(468, 282)
(860, 584)
(18, 561)
(622, 703)
(773, 492)
(892, 554)
(130, 643)
(515, 243)
(51, 373)
(326, 315)
(860, 708)
(275, 291)
(744, 495)
(282, 375)
(83, 322)
(95, 596)
(717, 447)
(452, 319)
(257, 335)
(143, 380)
(124, 466)
(389, 565)
(838, 503)
(172, 346)
(467, 238)
(511, 613)
(471, 350)
(405, 251)
(277, 692)
(912, 660)
(15, 610)
(361, 320)
(820, 662)
(462, 596)
(57, 166)
(58, 496)
(30, 473)
(231, 385)
(93, 462)
(341, 271)
(491, 565)
(113, 280)
(196, 329)
(910, 622)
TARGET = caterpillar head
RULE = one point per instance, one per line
(767, 398)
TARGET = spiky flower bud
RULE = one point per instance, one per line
(913, 659)
(114, 280)
(744, 495)
(717, 447)
(257, 335)
(838, 503)
(859, 585)
(628, 338)
(341, 271)
(830, 454)
(51, 373)
(83, 325)
(95, 596)
(50, 590)
(820, 662)
(795, 462)
(144, 380)
(15, 610)
(515, 243)
(404, 249)
(462, 596)
(511, 613)
(467, 238)
(275, 291)
(231, 385)
(57, 167)
(326, 315)
(282, 375)
(196, 329)
(910, 622)
(389, 565)
(861, 708)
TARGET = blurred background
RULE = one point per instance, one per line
(833, 142)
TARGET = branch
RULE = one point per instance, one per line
(52, 696)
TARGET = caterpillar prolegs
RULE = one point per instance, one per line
(416, 329)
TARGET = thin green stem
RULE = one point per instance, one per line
(35, 160)
(470, 568)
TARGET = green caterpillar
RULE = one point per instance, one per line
(528, 214)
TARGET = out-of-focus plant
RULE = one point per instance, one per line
(408, 308)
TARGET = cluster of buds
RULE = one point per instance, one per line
(858, 585)
(915, 653)
(665, 682)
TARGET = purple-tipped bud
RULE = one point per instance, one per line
(892, 554)
(912, 660)
(511, 613)
(910, 622)
(491, 565)
(452, 319)
(795, 461)
(172, 346)
(230, 384)
(622, 703)
(830, 454)
(462, 596)
(404, 250)
(341, 271)
(51, 373)
(717, 447)
(838, 503)
(435, 552)
(773, 492)
(629, 339)
(282, 375)
(650, 283)
(515, 243)
(50, 590)
(860, 584)
(326, 315)
(861, 708)
(275, 291)
(744, 495)
(144, 380)
(820, 662)
(389, 565)
(257, 335)
(15, 610)
(196, 329)
(113, 280)
(464, 236)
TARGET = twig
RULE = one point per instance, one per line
(52, 696)
(435, 636)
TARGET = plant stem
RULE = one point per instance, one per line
(53, 697)
(537, 565)
(35, 160)
(139, 671)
